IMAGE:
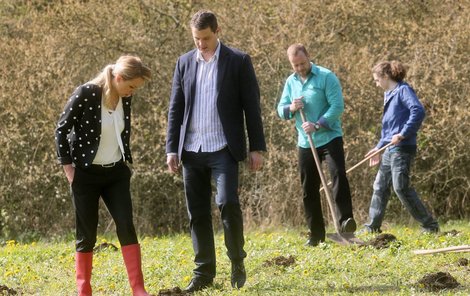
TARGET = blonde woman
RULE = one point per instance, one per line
(92, 143)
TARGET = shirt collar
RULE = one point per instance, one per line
(389, 94)
(313, 71)
(215, 57)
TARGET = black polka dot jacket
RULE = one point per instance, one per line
(78, 131)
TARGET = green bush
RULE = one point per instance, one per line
(50, 47)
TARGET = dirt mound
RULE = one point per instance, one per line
(438, 281)
(381, 241)
(4, 290)
(172, 292)
(280, 261)
(462, 262)
(452, 232)
(104, 246)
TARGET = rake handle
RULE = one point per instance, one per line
(465, 248)
(322, 176)
(364, 160)
(369, 157)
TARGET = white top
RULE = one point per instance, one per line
(205, 130)
(112, 124)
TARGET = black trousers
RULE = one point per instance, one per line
(113, 186)
(198, 170)
(333, 153)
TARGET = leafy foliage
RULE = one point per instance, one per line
(50, 47)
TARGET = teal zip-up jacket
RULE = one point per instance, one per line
(323, 104)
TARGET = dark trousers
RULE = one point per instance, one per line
(113, 186)
(333, 153)
(198, 170)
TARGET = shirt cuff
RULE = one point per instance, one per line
(287, 113)
(323, 122)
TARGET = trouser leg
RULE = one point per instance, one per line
(310, 181)
(334, 156)
(381, 194)
(225, 175)
(117, 198)
(85, 194)
(197, 184)
(401, 163)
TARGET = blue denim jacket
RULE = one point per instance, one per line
(403, 114)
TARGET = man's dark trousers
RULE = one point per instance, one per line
(333, 153)
(198, 170)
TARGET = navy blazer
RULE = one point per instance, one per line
(78, 131)
(238, 102)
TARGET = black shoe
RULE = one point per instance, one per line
(348, 226)
(197, 284)
(238, 278)
(313, 242)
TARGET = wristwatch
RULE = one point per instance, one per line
(316, 126)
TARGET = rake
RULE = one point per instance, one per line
(341, 238)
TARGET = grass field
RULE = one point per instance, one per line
(47, 268)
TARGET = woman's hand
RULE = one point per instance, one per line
(69, 172)
(397, 139)
(374, 160)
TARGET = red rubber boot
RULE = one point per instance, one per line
(83, 266)
(133, 262)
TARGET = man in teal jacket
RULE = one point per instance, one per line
(317, 91)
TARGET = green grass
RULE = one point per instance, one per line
(42, 268)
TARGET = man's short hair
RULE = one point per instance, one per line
(204, 19)
(294, 49)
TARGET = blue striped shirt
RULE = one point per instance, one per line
(205, 131)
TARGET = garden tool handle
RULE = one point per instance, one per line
(322, 176)
(364, 160)
(369, 157)
(464, 248)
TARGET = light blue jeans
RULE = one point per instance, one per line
(395, 170)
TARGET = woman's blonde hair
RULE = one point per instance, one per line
(128, 67)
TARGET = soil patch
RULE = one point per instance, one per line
(462, 262)
(104, 246)
(381, 241)
(172, 292)
(280, 261)
(4, 290)
(438, 281)
(452, 232)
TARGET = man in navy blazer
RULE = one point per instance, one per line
(214, 95)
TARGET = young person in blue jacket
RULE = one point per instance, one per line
(402, 118)
(318, 92)
(92, 141)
